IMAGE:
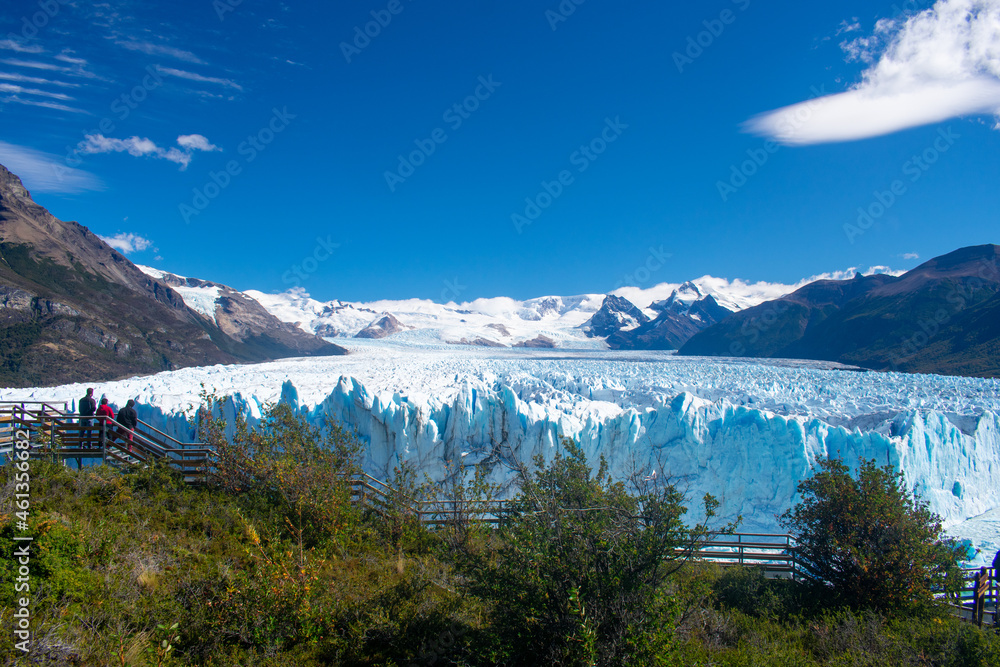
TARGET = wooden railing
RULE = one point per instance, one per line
(773, 553)
(53, 432)
(977, 600)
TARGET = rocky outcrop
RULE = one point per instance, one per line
(384, 326)
(540, 342)
(616, 314)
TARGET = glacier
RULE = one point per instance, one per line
(745, 431)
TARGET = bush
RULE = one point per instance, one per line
(299, 473)
(580, 571)
(867, 543)
(749, 591)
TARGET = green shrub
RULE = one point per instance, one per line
(747, 589)
(867, 543)
(579, 570)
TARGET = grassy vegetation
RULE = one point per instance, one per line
(275, 566)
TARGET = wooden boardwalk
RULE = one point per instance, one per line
(52, 431)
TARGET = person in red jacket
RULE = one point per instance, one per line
(104, 410)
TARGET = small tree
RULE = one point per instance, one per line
(294, 467)
(868, 543)
(581, 568)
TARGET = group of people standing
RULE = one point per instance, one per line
(90, 411)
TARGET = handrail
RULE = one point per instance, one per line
(191, 459)
(65, 408)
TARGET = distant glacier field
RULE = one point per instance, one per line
(745, 431)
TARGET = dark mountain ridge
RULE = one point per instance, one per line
(74, 309)
(941, 317)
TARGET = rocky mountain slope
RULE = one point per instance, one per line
(687, 311)
(941, 317)
(74, 309)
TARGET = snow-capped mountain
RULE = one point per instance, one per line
(616, 314)
(679, 311)
(505, 322)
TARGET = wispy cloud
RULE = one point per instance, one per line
(142, 147)
(192, 76)
(72, 60)
(12, 88)
(20, 47)
(43, 172)
(127, 243)
(21, 78)
(910, 255)
(34, 64)
(160, 50)
(848, 26)
(42, 104)
(939, 64)
(78, 68)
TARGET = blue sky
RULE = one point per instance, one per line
(584, 141)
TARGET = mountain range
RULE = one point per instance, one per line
(72, 309)
(941, 317)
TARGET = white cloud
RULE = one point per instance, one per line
(143, 147)
(192, 76)
(70, 59)
(910, 255)
(78, 66)
(20, 78)
(941, 63)
(15, 89)
(848, 26)
(15, 99)
(196, 142)
(127, 243)
(43, 172)
(33, 64)
(20, 47)
(160, 50)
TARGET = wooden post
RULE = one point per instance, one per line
(103, 439)
(979, 590)
(995, 595)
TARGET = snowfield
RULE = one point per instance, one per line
(743, 430)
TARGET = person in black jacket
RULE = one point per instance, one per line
(87, 408)
(128, 419)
